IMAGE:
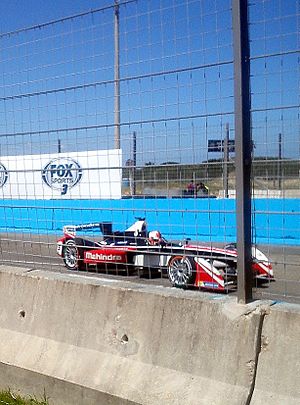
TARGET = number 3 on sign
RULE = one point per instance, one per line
(64, 189)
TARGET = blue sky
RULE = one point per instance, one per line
(17, 14)
(173, 113)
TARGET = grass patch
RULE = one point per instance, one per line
(9, 398)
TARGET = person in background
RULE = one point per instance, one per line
(202, 188)
(191, 187)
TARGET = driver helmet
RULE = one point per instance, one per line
(154, 237)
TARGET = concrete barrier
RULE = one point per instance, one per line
(86, 340)
(278, 371)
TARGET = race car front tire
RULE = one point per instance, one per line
(71, 256)
(181, 271)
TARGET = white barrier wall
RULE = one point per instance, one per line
(89, 341)
(278, 371)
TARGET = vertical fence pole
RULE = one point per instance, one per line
(226, 160)
(279, 167)
(134, 163)
(243, 147)
(117, 75)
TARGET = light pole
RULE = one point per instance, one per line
(117, 75)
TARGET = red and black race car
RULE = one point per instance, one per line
(135, 248)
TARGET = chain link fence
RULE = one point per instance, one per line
(127, 111)
(275, 82)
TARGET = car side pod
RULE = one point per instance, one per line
(105, 256)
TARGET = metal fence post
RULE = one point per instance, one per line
(279, 166)
(134, 163)
(226, 160)
(243, 147)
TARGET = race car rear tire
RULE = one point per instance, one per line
(181, 271)
(72, 257)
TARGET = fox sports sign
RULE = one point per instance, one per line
(62, 174)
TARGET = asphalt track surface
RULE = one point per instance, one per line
(39, 252)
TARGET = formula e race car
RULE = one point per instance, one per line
(137, 249)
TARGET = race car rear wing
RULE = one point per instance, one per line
(105, 228)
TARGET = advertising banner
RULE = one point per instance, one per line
(76, 175)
